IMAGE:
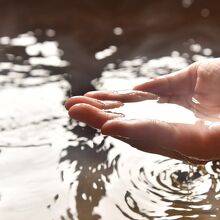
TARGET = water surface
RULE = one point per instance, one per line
(52, 167)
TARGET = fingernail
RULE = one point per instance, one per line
(110, 102)
(116, 114)
(123, 92)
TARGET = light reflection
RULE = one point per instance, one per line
(49, 48)
(118, 31)
(32, 133)
(40, 72)
(154, 186)
(198, 57)
(5, 65)
(93, 173)
(84, 196)
(21, 68)
(5, 40)
(187, 3)
(105, 53)
(48, 61)
(23, 40)
(205, 12)
(207, 51)
(195, 48)
(153, 110)
(50, 33)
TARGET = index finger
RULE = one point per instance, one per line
(122, 95)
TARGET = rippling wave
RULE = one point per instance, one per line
(52, 167)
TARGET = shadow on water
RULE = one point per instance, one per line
(54, 168)
(93, 174)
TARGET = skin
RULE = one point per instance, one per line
(196, 87)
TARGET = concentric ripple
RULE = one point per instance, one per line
(150, 186)
(163, 188)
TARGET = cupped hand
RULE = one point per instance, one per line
(196, 87)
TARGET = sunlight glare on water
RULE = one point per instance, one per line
(52, 167)
(156, 187)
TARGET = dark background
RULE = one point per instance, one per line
(150, 27)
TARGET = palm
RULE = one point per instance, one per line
(197, 88)
(207, 88)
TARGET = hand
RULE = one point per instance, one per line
(196, 87)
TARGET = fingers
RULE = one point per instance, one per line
(93, 102)
(151, 149)
(185, 139)
(160, 151)
(109, 99)
(168, 139)
(91, 115)
(178, 83)
(122, 96)
(151, 131)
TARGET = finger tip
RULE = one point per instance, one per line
(67, 104)
(72, 111)
(77, 110)
(70, 102)
(89, 94)
(136, 88)
(105, 129)
(91, 115)
(110, 126)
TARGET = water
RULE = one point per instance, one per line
(152, 109)
(182, 190)
(52, 167)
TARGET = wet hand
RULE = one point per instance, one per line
(196, 87)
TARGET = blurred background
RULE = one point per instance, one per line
(52, 167)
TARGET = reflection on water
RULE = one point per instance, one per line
(32, 129)
(54, 168)
(157, 187)
(152, 109)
